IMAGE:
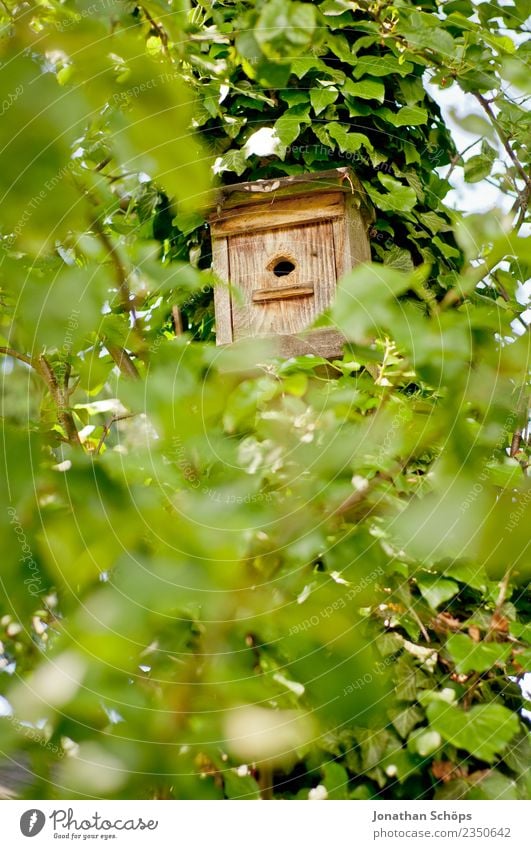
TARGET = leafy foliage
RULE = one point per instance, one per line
(227, 575)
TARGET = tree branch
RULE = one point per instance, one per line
(122, 360)
(10, 352)
(66, 420)
(161, 32)
(107, 427)
(119, 268)
(525, 194)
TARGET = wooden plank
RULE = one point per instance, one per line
(358, 247)
(252, 260)
(351, 240)
(282, 213)
(275, 294)
(341, 179)
(324, 342)
(222, 294)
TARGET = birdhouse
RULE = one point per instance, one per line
(282, 244)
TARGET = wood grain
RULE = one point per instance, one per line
(339, 179)
(312, 251)
(271, 214)
(222, 294)
(276, 294)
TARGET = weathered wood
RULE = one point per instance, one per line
(358, 247)
(325, 342)
(222, 295)
(260, 295)
(272, 213)
(283, 244)
(337, 179)
(311, 249)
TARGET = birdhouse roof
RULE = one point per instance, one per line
(275, 188)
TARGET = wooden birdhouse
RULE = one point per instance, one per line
(283, 244)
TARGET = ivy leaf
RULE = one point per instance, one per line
(422, 31)
(484, 730)
(348, 142)
(367, 89)
(406, 116)
(320, 98)
(285, 26)
(405, 719)
(240, 786)
(288, 126)
(381, 66)
(335, 779)
(302, 65)
(399, 258)
(470, 656)
(436, 590)
(400, 198)
(410, 116)
(478, 167)
(232, 160)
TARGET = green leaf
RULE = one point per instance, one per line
(285, 28)
(240, 787)
(381, 66)
(488, 784)
(424, 742)
(399, 258)
(348, 142)
(477, 168)
(405, 719)
(40, 201)
(320, 98)
(436, 590)
(151, 130)
(367, 89)
(400, 198)
(470, 656)
(422, 31)
(233, 160)
(288, 126)
(336, 780)
(406, 116)
(365, 299)
(485, 730)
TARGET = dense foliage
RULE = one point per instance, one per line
(226, 574)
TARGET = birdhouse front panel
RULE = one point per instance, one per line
(284, 278)
(282, 245)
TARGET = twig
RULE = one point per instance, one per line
(475, 682)
(525, 194)
(119, 268)
(504, 139)
(161, 32)
(66, 378)
(107, 427)
(59, 393)
(10, 352)
(515, 443)
(66, 420)
(122, 359)
(177, 321)
(500, 601)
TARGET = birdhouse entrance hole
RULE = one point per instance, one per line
(283, 267)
